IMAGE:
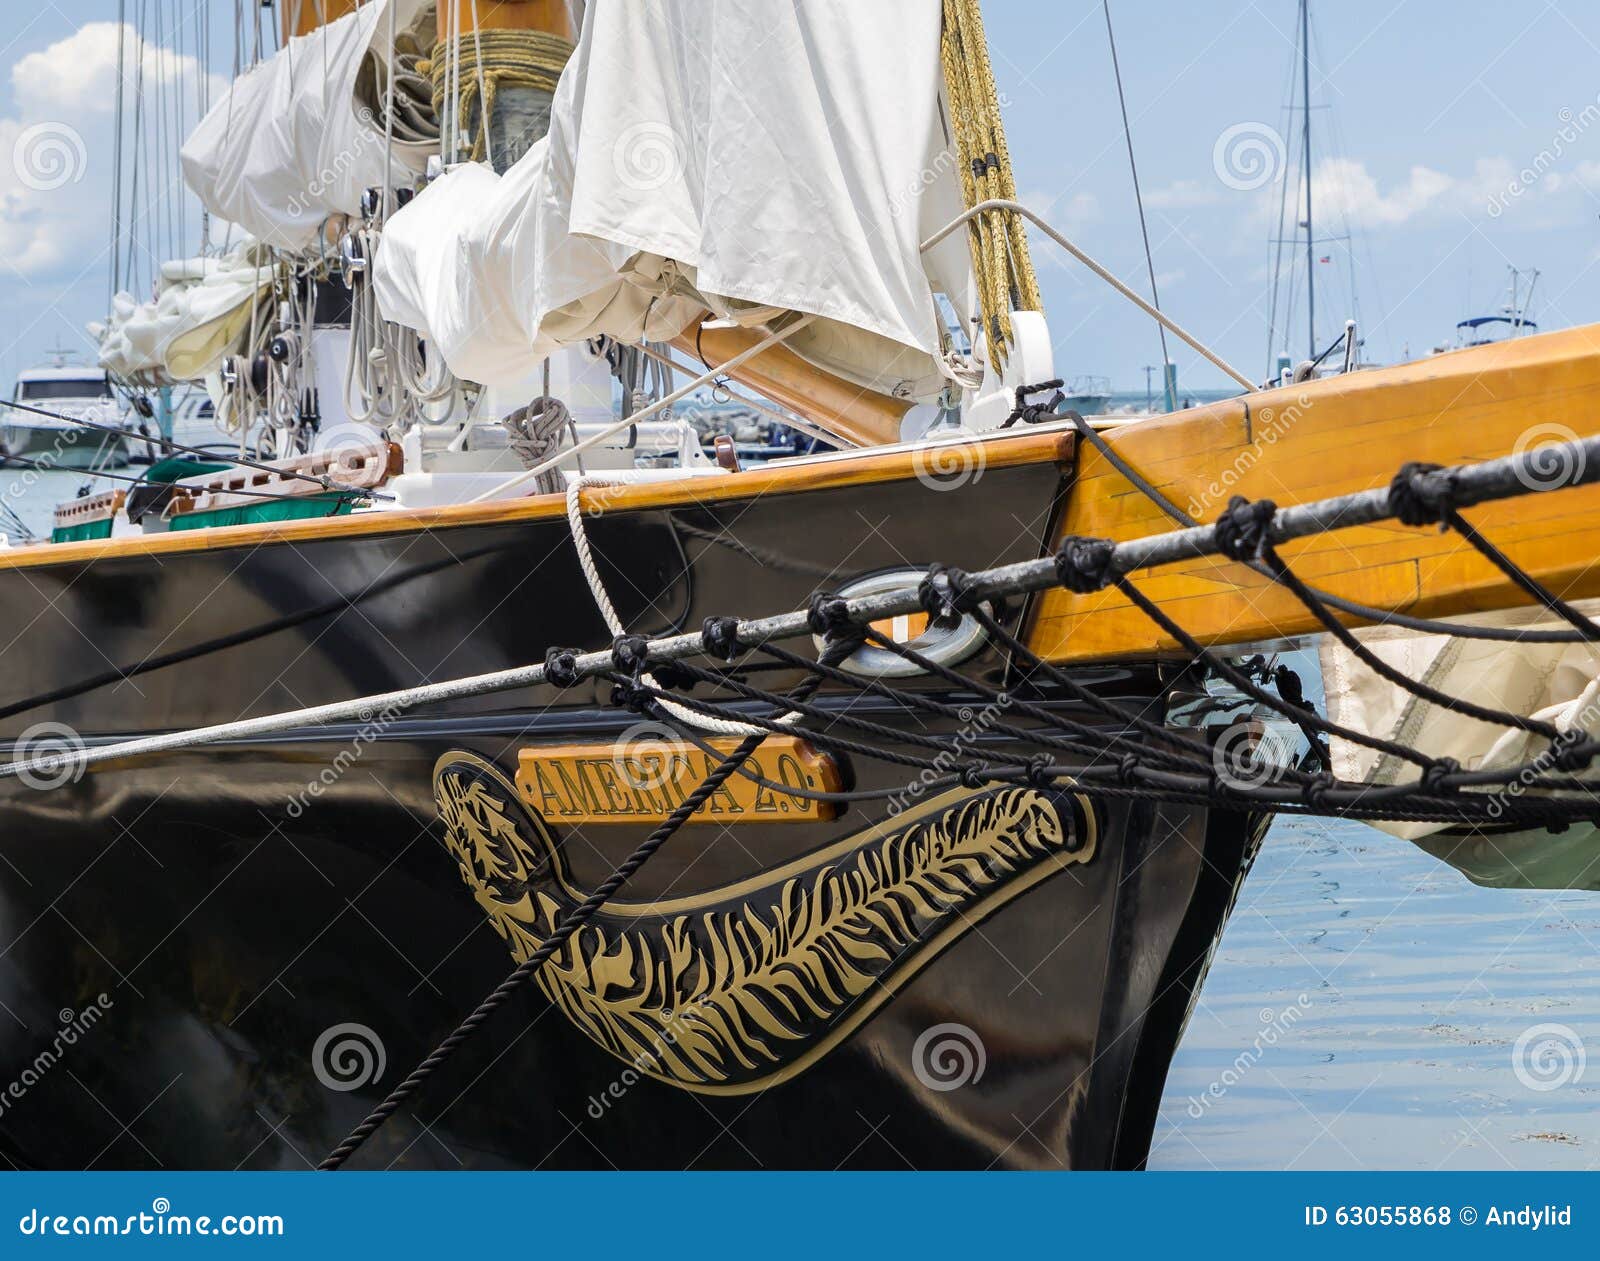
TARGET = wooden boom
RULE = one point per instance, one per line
(864, 416)
(1332, 437)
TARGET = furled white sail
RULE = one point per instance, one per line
(703, 152)
(1556, 683)
(201, 312)
(289, 144)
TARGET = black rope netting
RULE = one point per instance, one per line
(1037, 731)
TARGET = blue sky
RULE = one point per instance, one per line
(1426, 113)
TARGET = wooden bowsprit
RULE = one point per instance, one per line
(1336, 437)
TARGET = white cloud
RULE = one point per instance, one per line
(79, 74)
(57, 145)
(1347, 190)
(1183, 195)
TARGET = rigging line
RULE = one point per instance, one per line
(116, 151)
(595, 439)
(1464, 485)
(19, 527)
(207, 648)
(1343, 796)
(1138, 197)
(570, 923)
(784, 418)
(327, 483)
(1061, 240)
(1355, 609)
(130, 277)
(483, 92)
(22, 461)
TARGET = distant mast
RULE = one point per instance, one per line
(1305, 132)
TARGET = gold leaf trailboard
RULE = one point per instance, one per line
(644, 782)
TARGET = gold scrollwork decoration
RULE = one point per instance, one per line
(742, 986)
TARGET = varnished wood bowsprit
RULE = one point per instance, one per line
(1333, 437)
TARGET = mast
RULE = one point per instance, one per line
(301, 17)
(1305, 144)
(510, 52)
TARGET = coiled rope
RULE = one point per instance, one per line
(1001, 264)
(487, 62)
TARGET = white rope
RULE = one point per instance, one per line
(1169, 324)
(375, 369)
(595, 439)
(597, 588)
(1512, 476)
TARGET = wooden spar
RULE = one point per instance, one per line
(864, 416)
(301, 17)
(1331, 437)
(551, 16)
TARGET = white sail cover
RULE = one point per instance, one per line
(1556, 683)
(288, 145)
(201, 312)
(741, 153)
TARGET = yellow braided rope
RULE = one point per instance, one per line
(1001, 263)
(524, 59)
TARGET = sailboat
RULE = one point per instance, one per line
(1512, 319)
(340, 756)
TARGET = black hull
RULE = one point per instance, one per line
(233, 916)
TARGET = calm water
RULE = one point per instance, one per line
(33, 494)
(1364, 1007)
(1364, 1012)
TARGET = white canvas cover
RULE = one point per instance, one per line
(288, 144)
(1556, 683)
(201, 310)
(736, 153)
